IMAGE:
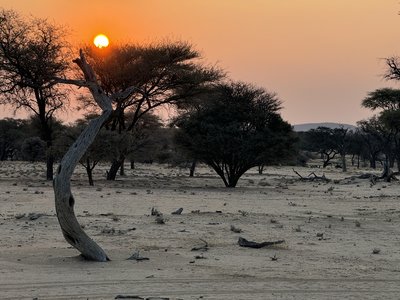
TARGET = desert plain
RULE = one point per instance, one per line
(342, 237)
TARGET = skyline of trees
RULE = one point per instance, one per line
(166, 73)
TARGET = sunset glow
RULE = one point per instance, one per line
(315, 54)
(101, 41)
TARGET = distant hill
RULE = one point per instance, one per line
(308, 126)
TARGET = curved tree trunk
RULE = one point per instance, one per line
(64, 201)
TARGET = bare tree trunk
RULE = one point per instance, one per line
(260, 169)
(132, 164)
(49, 166)
(112, 173)
(372, 163)
(64, 201)
(193, 168)
(89, 171)
(344, 165)
(353, 159)
(122, 169)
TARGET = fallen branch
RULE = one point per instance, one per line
(314, 178)
(386, 176)
(250, 244)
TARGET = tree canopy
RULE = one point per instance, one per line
(239, 128)
(32, 54)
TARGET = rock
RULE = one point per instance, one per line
(178, 211)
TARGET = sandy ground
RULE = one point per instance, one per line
(330, 229)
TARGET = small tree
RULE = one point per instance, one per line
(238, 129)
(32, 54)
(321, 140)
(33, 149)
(12, 133)
(378, 139)
(341, 141)
(391, 119)
(356, 147)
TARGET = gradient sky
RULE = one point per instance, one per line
(320, 56)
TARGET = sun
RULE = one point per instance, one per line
(101, 41)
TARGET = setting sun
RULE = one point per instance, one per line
(101, 41)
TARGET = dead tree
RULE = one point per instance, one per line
(313, 178)
(64, 200)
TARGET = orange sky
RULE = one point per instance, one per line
(320, 56)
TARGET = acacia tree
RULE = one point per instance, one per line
(152, 76)
(387, 102)
(356, 147)
(376, 138)
(32, 54)
(12, 132)
(391, 119)
(238, 129)
(383, 99)
(342, 142)
(322, 140)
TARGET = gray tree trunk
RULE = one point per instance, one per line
(344, 164)
(64, 200)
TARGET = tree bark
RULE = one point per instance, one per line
(112, 173)
(122, 169)
(344, 165)
(372, 163)
(49, 166)
(89, 172)
(260, 169)
(193, 168)
(64, 200)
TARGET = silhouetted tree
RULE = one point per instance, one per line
(143, 78)
(129, 144)
(238, 129)
(32, 54)
(387, 100)
(384, 99)
(391, 119)
(33, 149)
(341, 141)
(321, 140)
(356, 146)
(12, 133)
(377, 138)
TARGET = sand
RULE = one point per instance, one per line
(331, 231)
